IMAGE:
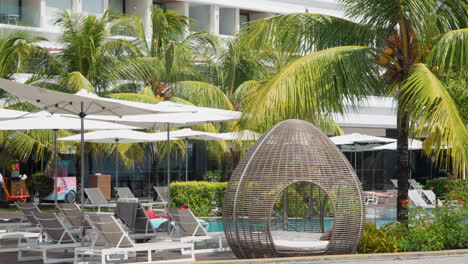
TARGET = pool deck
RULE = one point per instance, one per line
(434, 257)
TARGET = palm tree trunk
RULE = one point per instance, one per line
(403, 164)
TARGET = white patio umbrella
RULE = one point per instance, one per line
(200, 115)
(81, 105)
(187, 134)
(117, 136)
(413, 144)
(243, 135)
(357, 138)
(6, 114)
(46, 121)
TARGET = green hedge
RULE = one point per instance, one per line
(203, 198)
(441, 186)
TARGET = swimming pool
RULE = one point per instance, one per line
(381, 216)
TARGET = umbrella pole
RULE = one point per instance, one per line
(82, 233)
(168, 157)
(186, 159)
(116, 163)
(55, 168)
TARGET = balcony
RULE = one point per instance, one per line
(20, 13)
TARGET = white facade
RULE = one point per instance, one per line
(223, 17)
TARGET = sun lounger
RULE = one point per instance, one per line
(415, 185)
(163, 194)
(58, 237)
(120, 244)
(191, 230)
(97, 199)
(126, 193)
(72, 212)
(134, 216)
(17, 237)
(416, 198)
(28, 209)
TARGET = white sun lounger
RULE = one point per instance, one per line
(58, 237)
(191, 230)
(120, 244)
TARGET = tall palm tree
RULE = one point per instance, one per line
(414, 50)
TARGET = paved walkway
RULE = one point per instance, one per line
(439, 257)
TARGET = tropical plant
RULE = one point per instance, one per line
(414, 50)
(88, 58)
(17, 51)
(376, 240)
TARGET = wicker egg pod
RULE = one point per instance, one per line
(281, 190)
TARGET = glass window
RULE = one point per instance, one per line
(92, 7)
(54, 6)
(243, 19)
(117, 6)
(10, 7)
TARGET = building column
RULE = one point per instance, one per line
(105, 5)
(77, 6)
(237, 20)
(141, 8)
(42, 13)
(214, 19)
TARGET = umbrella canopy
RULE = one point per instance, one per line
(6, 114)
(413, 144)
(357, 138)
(188, 133)
(202, 115)
(83, 102)
(120, 136)
(45, 120)
(243, 135)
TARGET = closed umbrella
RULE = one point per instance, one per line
(116, 136)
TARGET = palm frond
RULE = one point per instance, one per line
(313, 84)
(434, 115)
(202, 94)
(135, 97)
(75, 81)
(311, 32)
(449, 56)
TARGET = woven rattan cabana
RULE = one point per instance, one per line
(293, 193)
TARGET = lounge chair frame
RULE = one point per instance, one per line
(66, 241)
(191, 230)
(124, 244)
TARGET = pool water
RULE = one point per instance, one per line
(380, 216)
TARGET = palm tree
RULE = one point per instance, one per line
(414, 50)
(88, 58)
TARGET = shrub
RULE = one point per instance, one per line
(202, 197)
(41, 184)
(426, 230)
(458, 191)
(212, 175)
(441, 186)
(375, 240)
